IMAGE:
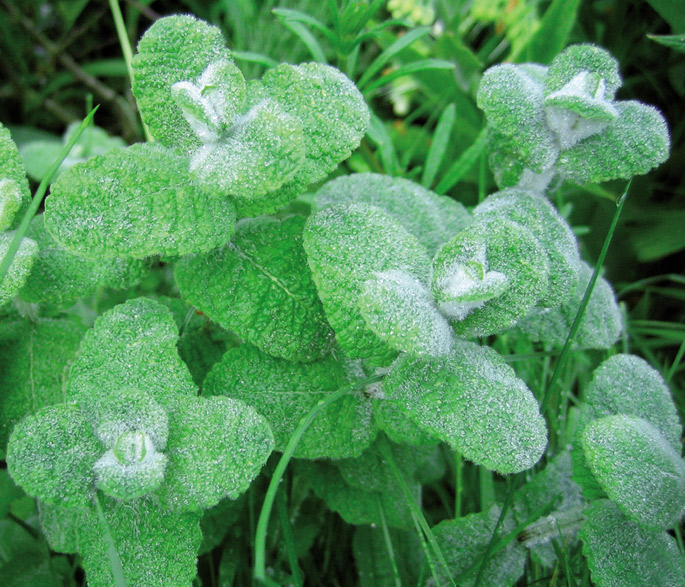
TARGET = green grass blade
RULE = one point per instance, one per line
(464, 164)
(288, 538)
(40, 193)
(388, 544)
(309, 41)
(252, 57)
(408, 69)
(380, 61)
(675, 42)
(288, 14)
(114, 560)
(441, 138)
(555, 27)
(380, 136)
(265, 513)
(566, 350)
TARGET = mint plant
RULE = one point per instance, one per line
(362, 324)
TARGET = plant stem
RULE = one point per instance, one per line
(458, 483)
(264, 514)
(38, 196)
(566, 351)
(114, 560)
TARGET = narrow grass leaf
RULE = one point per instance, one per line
(408, 69)
(307, 38)
(464, 164)
(439, 144)
(555, 27)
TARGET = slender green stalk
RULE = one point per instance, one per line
(415, 509)
(265, 513)
(458, 483)
(566, 351)
(487, 488)
(288, 538)
(40, 193)
(126, 50)
(114, 560)
(388, 544)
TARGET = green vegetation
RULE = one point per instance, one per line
(345, 293)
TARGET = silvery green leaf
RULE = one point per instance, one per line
(259, 286)
(512, 101)
(20, 268)
(51, 455)
(464, 542)
(631, 144)
(601, 324)
(489, 276)
(621, 553)
(136, 202)
(431, 218)
(534, 212)
(401, 311)
(346, 245)
(14, 187)
(284, 392)
(586, 59)
(647, 482)
(472, 400)
(174, 50)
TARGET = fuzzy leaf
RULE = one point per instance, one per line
(632, 144)
(431, 218)
(59, 277)
(512, 101)
(601, 324)
(284, 392)
(575, 60)
(51, 455)
(534, 212)
(647, 482)
(259, 286)
(626, 384)
(35, 357)
(131, 345)
(464, 541)
(263, 151)
(14, 187)
(346, 245)
(489, 276)
(174, 49)
(62, 526)
(19, 269)
(332, 112)
(156, 547)
(136, 202)
(401, 311)
(216, 447)
(472, 400)
(620, 553)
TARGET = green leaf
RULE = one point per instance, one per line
(35, 357)
(601, 324)
(465, 541)
(14, 187)
(332, 112)
(401, 311)
(626, 384)
(62, 526)
(675, 42)
(472, 400)
(534, 212)
(346, 245)
(432, 219)
(489, 276)
(671, 12)
(375, 562)
(632, 144)
(512, 101)
(19, 270)
(174, 49)
(259, 286)
(580, 58)
(439, 143)
(284, 392)
(131, 345)
(552, 34)
(355, 504)
(620, 553)
(647, 482)
(136, 202)
(59, 277)
(264, 149)
(156, 547)
(216, 447)
(51, 455)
